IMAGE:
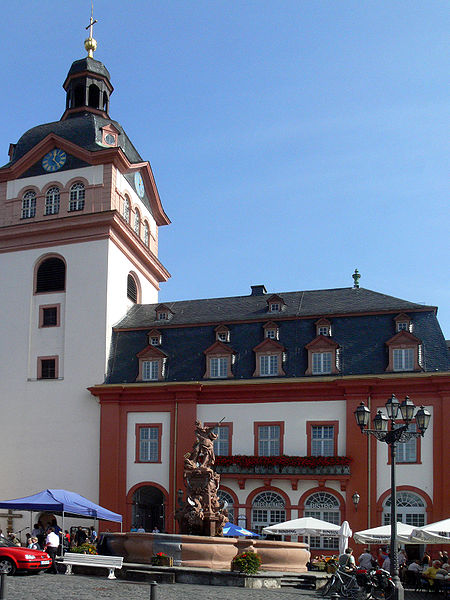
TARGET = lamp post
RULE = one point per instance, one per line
(397, 433)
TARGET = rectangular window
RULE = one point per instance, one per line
(323, 331)
(268, 365)
(271, 334)
(269, 440)
(403, 359)
(322, 442)
(222, 443)
(222, 336)
(218, 367)
(321, 362)
(150, 370)
(154, 341)
(49, 315)
(47, 367)
(407, 451)
(403, 326)
(148, 443)
(274, 307)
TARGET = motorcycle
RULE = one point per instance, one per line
(376, 583)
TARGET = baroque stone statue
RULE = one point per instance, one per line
(201, 513)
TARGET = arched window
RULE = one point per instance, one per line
(227, 500)
(94, 96)
(411, 509)
(146, 234)
(126, 209)
(137, 222)
(51, 275)
(29, 205)
(77, 196)
(268, 508)
(132, 289)
(79, 98)
(326, 507)
(52, 199)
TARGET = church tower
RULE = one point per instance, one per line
(79, 219)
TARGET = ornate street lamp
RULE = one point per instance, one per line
(356, 498)
(396, 434)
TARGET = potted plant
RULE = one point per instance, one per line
(161, 559)
(247, 562)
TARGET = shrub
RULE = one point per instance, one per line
(85, 549)
(248, 562)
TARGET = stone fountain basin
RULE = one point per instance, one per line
(202, 551)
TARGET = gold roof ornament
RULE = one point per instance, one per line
(90, 44)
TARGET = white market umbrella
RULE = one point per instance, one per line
(382, 535)
(304, 526)
(434, 533)
(344, 533)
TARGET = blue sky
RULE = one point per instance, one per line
(291, 141)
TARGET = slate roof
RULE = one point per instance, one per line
(89, 64)
(362, 322)
(254, 307)
(83, 129)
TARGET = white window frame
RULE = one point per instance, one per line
(137, 223)
(268, 365)
(150, 370)
(322, 443)
(126, 209)
(324, 330)
(269, 440)
(149, 446)
(146, 234)
(403, 359)
(218, 367)
(321, 363)
(77, 197)
(52, 201)
(222, 443)
(29, 205)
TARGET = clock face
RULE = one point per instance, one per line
(54, 160)
(110, 139)
(139, 185)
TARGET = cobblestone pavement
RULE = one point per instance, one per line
(83, 587)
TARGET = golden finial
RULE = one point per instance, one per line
(90, 44)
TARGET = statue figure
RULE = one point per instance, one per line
(201, 513)
(203, 450)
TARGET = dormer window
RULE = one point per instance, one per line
(275, 304)
(163, 313)
(323, 356)
(152, 362)
(222, 334)
(271, 331)
(219, 359)
(405, 352)
(403, 323)
(269, 358)
(323, 327)
(154, 338)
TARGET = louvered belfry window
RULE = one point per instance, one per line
(131, 289)
(51, 276)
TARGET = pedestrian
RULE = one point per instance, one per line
(80, 536)
(33, 544)
(51, 547)
(365, 560)
(92, 535)
(346, 561)
(155, 529)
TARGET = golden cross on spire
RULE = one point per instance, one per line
(90, 44)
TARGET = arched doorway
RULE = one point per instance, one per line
(148, 508)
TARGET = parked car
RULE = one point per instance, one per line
(15, 558)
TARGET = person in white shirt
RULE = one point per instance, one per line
(415, 566)
(386, 564)
(51, 547)
(365, 560)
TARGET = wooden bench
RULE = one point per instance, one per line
(91, 560)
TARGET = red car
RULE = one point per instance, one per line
(14, 558)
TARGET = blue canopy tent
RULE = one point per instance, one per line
(64, 502)
(232, 530)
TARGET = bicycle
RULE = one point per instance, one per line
(342, 583)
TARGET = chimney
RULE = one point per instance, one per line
(258, 290)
